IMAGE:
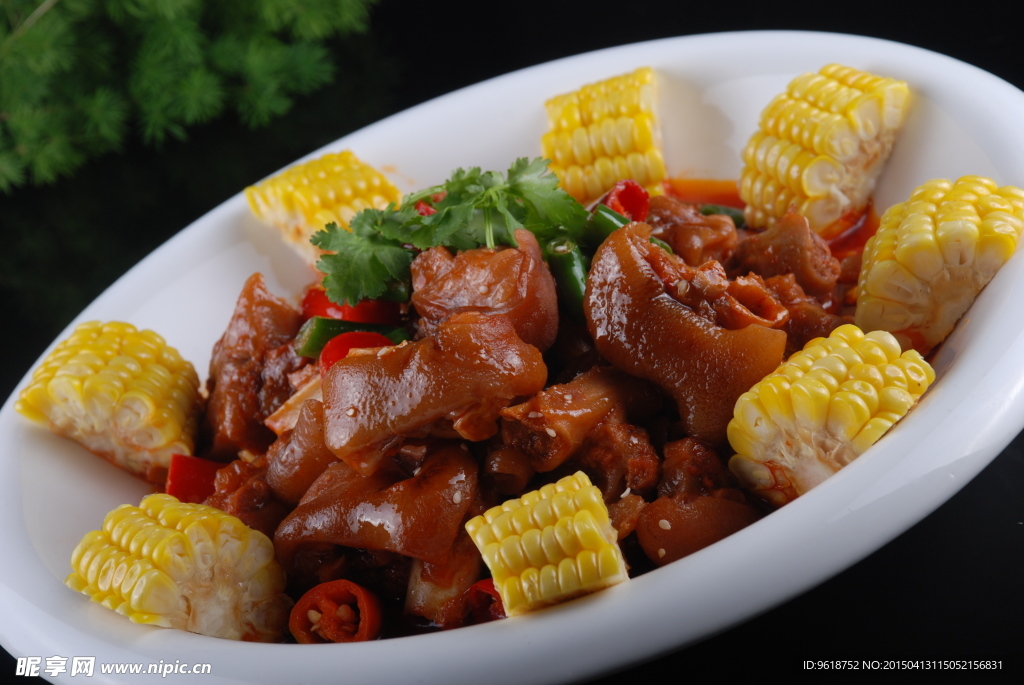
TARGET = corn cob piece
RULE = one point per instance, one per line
(603, 133)
(185, 566)
(124, 394)
(303, 199)
(822, 409)
(549, 545)
(821, 146)
(933, 254)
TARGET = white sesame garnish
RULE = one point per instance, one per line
(550, 431)
(533, 415)
(624, 493)
(351, 411)
(664, 525)
(482, 290)
(568, 397)
(382, 351)
(661, 552)
(457, 497)
(633, 439)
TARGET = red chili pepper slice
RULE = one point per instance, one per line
(424, 209)
(484, 602)
(191, 479)
(336, 611)
(316, 303)
(338, 346)
(629, 199)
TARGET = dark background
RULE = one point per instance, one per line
(949, 588)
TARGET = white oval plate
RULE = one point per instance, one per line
(713, 89)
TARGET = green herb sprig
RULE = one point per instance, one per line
(478, 209)
(77, 77)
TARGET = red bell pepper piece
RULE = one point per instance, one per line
(316, 303)
(191, 479)
(629, 199)
(484, 602)
(338, 346)
(336, 611)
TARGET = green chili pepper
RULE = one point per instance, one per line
(603, 222)
(569, 266)
(662, 244)
(319, 330)
(735, 214)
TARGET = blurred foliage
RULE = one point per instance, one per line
(78, 76)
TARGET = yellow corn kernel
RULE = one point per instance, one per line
(821, 146)
(821, 409)
(933, 254)
(124, 394)
(185, 566)
(549, 545)
(603, 133)
(303, 199)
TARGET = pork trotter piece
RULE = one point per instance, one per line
(452, 384)
(248, 373)
(418, 517)
(641, 329)
(514, 282)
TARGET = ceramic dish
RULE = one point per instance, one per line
(713, 88)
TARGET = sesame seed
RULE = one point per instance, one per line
(533, 415)
(661, 552)
(382, 351)
(457, 497)
(664, 525)
(550, 431)
(482, 290)
(568, 398)
(625, 492)
(633, 439)
(351, 411)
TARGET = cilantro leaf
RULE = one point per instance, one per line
(550, 211)
(478, 208)
(365, 263)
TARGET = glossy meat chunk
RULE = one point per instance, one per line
(641, 329)
(619, 458)
(554, 423)
(807, 318)
(248, 373)
(297, 459)
(241, 489)
(451, 384)
(669, 529)
(417, 517)
(514, 282)
(696, 238)
(507, 468)
(699, 504)
(790, 246)
(437, 590)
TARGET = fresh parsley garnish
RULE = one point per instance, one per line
(478, 208)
